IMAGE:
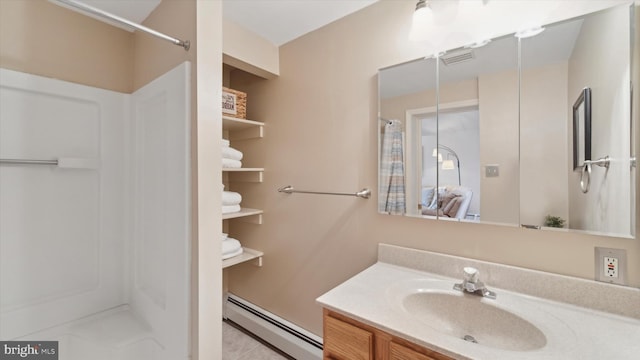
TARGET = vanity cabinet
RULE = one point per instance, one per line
(349, 339)
(242, 129)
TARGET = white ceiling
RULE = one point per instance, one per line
(281, 21)
(278, 21)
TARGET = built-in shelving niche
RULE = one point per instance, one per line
(242, 129)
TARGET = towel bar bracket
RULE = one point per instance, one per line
(585, 175)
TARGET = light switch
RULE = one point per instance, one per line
(492, 171)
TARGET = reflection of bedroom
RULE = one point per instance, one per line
(458, 161)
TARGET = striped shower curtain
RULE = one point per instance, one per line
(391, 196)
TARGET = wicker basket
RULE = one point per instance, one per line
(234, 103)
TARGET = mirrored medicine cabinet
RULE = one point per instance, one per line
(522, 130)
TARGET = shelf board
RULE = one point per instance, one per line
(245, 212)
(242, 169)
(255, 175)
(247, 255)
(241, 129)
(231, 123)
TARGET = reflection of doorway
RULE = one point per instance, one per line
(458, 129)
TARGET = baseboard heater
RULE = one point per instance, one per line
(290, 338)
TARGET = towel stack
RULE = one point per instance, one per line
(230, 202)
(230, 156)
(230, 247)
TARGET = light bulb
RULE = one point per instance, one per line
(422, 17)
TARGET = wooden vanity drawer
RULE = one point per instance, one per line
(349, 339)
(344, 341)
(401, 352)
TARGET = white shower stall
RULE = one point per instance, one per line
(95, 216)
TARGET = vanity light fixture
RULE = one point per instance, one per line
(422, 16)
(529, 32)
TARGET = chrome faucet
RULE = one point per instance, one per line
(471, 284)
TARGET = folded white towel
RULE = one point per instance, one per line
(224, 236)
(231, 198)
(231, 153)
(230, 245)
(228, 209)
(231, 164)
(233, 254)
(225, 142)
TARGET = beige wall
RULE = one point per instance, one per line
(248, 51)
(321, 134)
(499, 133)
(41, 38)
(543, 143)
(154, 57)
(396, 107)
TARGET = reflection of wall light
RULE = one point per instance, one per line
(478, 44)
(448, 165)
(523, 34)
(435, 153)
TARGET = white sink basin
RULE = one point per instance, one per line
(423, 308)
(504, 323)
(474, 319)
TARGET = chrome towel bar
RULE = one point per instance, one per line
(364, 193)
(29, 162)
(63, 163)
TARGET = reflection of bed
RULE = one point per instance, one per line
(451, 201)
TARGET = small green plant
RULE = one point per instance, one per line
(554, 221)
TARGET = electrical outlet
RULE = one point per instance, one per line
(611, 265)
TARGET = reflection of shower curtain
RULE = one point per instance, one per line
(391, 197)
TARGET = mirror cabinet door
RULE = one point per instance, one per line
(478, 133)
(403, 89)
(575, 108)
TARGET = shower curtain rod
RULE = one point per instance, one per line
(106, 15)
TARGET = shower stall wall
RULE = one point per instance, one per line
(94, 251)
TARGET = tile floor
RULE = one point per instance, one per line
(239, 345)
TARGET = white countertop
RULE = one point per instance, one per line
(572, 332)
